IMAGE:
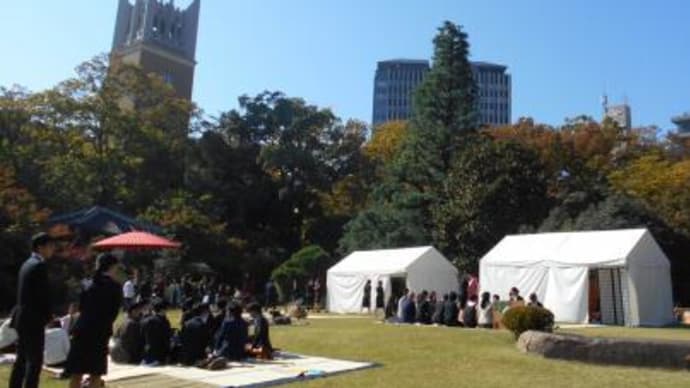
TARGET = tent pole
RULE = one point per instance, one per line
(613, 296)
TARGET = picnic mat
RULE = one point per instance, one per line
(285, 368)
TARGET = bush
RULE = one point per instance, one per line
(522, 318)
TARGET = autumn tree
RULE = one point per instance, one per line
(20, 215)
(661, 184)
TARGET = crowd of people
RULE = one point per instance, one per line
(209, 335)
(213, 329)
(451, 309)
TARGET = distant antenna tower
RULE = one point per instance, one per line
(605, 103)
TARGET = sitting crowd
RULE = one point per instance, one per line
(145, 336)
(208, 337)
(427, 308)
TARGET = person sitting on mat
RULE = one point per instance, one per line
(233, 335)
(534, 301)
(128, 340)
(157, 333)
(194, 336)
(260, 345)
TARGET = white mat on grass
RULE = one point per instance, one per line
(286, 367)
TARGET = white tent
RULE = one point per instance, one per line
(419, 268)
(625, 268)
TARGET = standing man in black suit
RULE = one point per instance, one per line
(32, 313)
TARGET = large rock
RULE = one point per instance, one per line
(607, 351)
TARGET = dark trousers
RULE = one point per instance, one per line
(27, 366)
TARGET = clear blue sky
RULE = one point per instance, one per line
(562, 54)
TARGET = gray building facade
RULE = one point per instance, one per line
(396, 80)
(494, 95)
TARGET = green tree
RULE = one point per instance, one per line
(490, 192)
(304, 264)
(444, 117)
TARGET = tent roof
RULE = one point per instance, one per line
(384, 261)
(576, 249)
(99, 219)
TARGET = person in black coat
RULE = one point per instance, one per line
(450, 310)
(216, 321)
(233, 335)
(380, 297)
(195, 336)
(130, 339)
(261, 341)
(157, 333)
(100, 304)
(409, 309)
(424, 311)
(366, 298)
(32, 313)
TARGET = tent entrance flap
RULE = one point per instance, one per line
(594, 297)
(612, 295)
(398, 284)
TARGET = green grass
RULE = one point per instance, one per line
(412, 356)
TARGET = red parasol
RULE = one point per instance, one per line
(135, 241)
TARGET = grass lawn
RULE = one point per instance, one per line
(412, 356)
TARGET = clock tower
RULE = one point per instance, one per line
(160, 38)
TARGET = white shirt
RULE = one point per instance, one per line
(8, 335)
(56, 346)
(37, 256)
(485, 315)
(401, 303)
(128, 289)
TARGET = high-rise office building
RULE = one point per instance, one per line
(159, 37)
(396, 80)
(494, 93)
(394, 86)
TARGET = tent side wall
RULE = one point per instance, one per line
(651, 295)
(432, 272)
(345, 292)
(563, 290)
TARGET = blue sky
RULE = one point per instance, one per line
(562, 54)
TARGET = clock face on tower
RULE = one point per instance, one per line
(160, 38)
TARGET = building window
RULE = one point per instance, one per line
(168, 78)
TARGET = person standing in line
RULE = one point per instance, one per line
(100, 305)
(32, 313)
(317, 293)
(366, 298)
(269, 295)
(380, 296)
(309, 294)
